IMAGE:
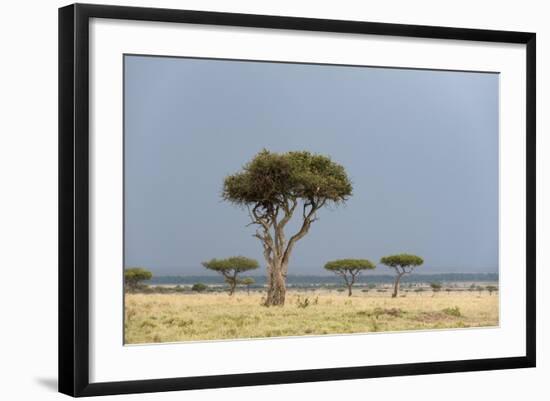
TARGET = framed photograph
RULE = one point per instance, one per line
(252, 199)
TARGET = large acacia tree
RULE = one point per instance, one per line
(402, 263)
(349, 269)
(274, 187)
(230, 268)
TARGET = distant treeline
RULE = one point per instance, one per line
(310, 280)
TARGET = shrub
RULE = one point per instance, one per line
(302, 303)
(452, 311)
(199, 287)
(436, 287)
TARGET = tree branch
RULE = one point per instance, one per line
(309, 217)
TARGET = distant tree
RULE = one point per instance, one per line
(199, 287)
(479, 289)
(230, 268)
(491, 289)
(247, 281)
(472, 287)
(349, 269)
(403, 263)
(436, 287)
(134, 276)
(273, 186)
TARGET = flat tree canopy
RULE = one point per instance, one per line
(272, 179)
(247, 281)
(402, 260)
(349, 264)
(234, 263)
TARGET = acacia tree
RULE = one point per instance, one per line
(491, 289)
(349, 269)
(247, 281)
(436, 287)
(134, 276)
(273, 186)
(230, 268)
(403, 263)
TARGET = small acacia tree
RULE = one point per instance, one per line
(349, 269)
(491, 289)
(230, 268)
(436, 287)
(134, 276)
(273, 186)
(403, 263)
(247, 281)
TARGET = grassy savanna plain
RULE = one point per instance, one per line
(175, 317)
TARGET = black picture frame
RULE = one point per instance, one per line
(74, 198)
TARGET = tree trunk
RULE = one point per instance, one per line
(277, 286)
(349, 290)
(232, 286)
(396, 286)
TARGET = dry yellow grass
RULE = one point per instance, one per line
(153, 318)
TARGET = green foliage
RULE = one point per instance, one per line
(199, 287)
(235, 264)
(247, 281)
(452, 311)
(302, 302)
(402, 260)
(271, 178)
(135, 275)
(436, 287)
(349, 264)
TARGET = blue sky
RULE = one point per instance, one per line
(421, 148)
